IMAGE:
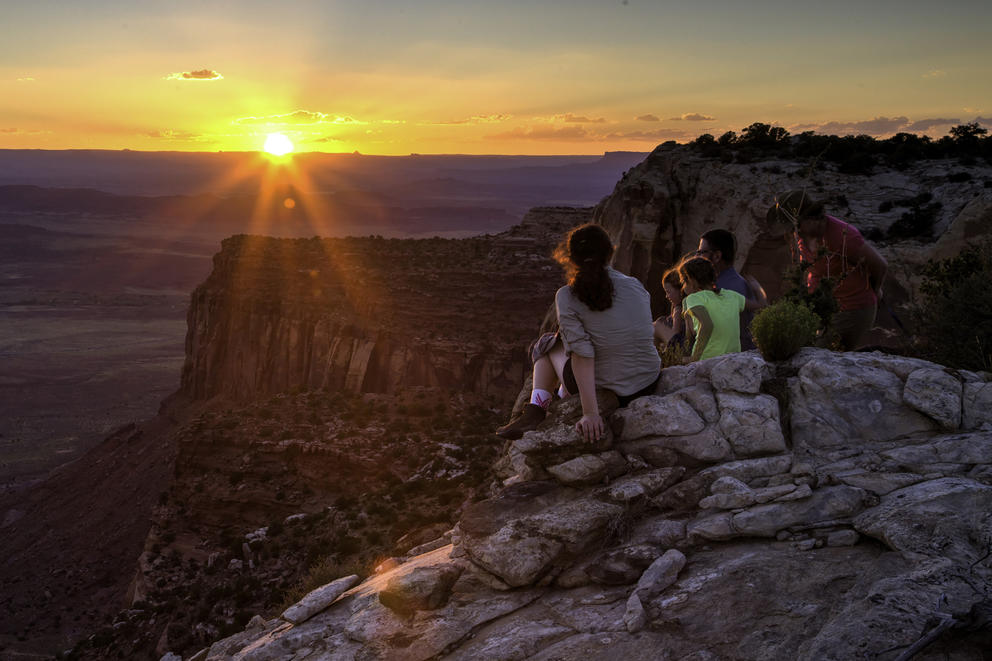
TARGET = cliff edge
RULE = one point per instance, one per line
(826, 508)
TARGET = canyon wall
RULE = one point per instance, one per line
(376, 315)
(371, 314)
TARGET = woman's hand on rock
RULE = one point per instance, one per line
(591, 427)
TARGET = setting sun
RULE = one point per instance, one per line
(277, 144)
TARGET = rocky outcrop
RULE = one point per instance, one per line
(824, 508)
(659, 209)
(371, 314)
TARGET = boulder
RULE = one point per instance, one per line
(826, 504)
(589, 469)
(709, 446)
(977, 405)
(558, 444)
(660, 575)
(624, 565)
(631, 488)
(935, 393)
(658, 416)
(943, 518)
(421, 588)
(317, 600)
(964, 449)
(838, 397)
(747, 470)
(751, 424)
(740, 372)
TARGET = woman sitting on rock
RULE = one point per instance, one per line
(715, 313)
(605, 337)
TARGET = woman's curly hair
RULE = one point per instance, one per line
(585, 254)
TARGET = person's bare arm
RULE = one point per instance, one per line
(876, 267)
(705, 331)
(758, 298)
(665, 330)
(591, 425)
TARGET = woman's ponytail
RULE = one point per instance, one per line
(586, 253)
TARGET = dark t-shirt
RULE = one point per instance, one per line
(732, 280)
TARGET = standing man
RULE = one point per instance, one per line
(720, 247)
(837, 250)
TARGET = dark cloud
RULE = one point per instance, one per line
(876, 126)
(648, 118)
(199, 74)
(578, 119)
(545, 133)
(927, 124)
(692, 117)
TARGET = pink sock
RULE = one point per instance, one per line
(540, 397)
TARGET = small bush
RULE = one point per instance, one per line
(954, 316)
(783, 328)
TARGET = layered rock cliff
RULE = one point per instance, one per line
(659, 209)
(371, 314)
(836, 506)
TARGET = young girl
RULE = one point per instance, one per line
(671, 329)
(606, 339)
(715, 313)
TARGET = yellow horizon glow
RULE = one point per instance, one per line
(472, 78)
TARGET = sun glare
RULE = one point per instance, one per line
(277, 144)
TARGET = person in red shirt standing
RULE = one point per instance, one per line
(837, 250)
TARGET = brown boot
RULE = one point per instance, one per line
(530, 417)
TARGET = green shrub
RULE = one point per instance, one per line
(954, 315)
(783, 328)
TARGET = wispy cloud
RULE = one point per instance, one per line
(657, 134)
(199, 74)
(170, 134)
(545, 133)
(936, 73)
(26, 79)
(692, 117)
(648, 118)
(17, 131)
(569, 118)
(927, 124)
(495, 118)
(299, 117)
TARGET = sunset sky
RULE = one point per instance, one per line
(489, 77)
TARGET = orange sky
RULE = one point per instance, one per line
(550, 77)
